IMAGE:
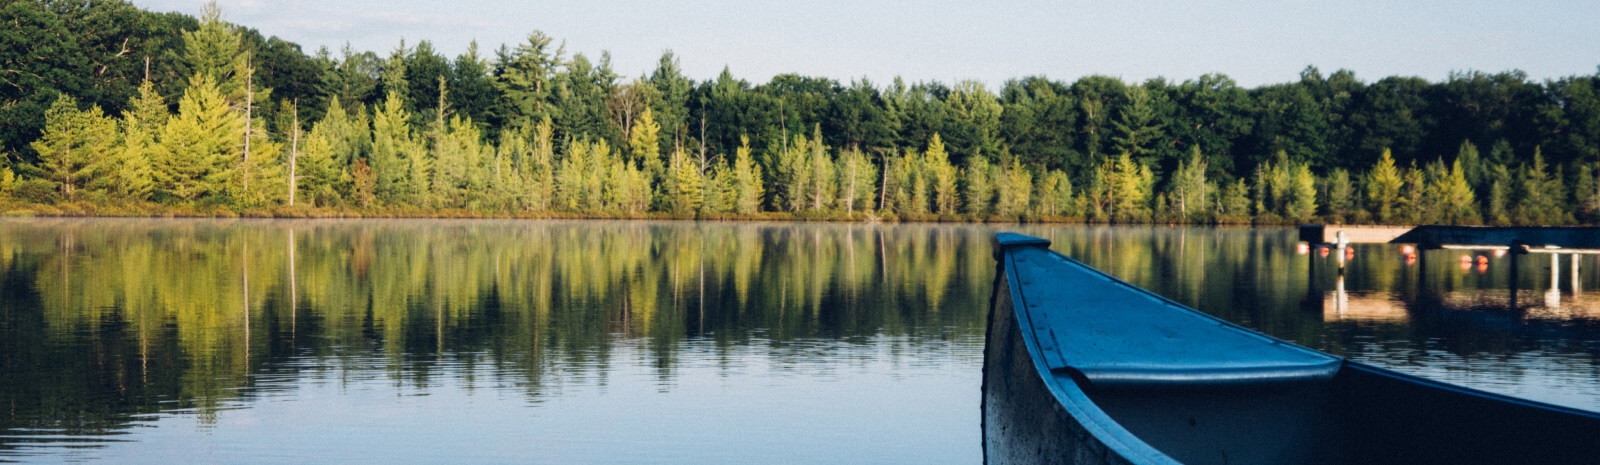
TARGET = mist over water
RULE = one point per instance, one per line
(237, 341)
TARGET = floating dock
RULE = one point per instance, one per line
(1517, 240)
(1520, 239)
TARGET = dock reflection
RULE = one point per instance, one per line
(1339, 304)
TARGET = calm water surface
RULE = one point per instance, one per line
(161, 341)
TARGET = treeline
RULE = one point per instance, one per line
(108, 108)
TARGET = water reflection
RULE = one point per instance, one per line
(108, 322)
(140, 341)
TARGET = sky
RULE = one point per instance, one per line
(1255, 43)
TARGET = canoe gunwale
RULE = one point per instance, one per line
(1095, 422)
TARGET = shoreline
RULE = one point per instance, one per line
(156, 211)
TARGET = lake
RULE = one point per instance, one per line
(483, 341)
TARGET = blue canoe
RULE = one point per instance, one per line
(1083, 368)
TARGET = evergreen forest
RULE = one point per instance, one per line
(107, 109)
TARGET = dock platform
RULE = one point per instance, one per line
(1522, 239)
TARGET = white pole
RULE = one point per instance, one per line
(1552, 299)
(1575, 287)
(1342, 243)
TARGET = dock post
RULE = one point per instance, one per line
(1341, 299)
(1555, 271)
(1575, 287)
(1342, 242)
(1552, 299)
(1515, 252)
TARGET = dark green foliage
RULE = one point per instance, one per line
(671, 102)
(523, 77)
(472, 93)
(94, 51)
(353, 78)
(1038, 121)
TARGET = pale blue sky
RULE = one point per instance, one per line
(1253, 42)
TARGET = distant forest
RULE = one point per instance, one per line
(107, 109)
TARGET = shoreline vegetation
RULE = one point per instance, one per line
(110, 110)
(152, 210)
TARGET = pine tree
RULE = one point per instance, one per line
(507, 188)
(820, 176)
(1340, 192)
(1234, 203)
(8, 182)
(980, 186)
(392, 148)
(1126, 188)
(1102, 191)
(1584, 194)
(523, 76)
(1302, 193)
(1014, 190)
(214, 51)
(198, 144)
(643, 137)
(1499, 196)
(459, 165)
(539, 169)
(1276, 182)
(857, 179)
(579, 176)
(908, 182)
(600, 156)
(685, 184)
(1472, 164)
(1383, 187)
(747, 180)
(319, 176)
(719, 192)
(74, 143)
(449, 162)
(1135, 182)
(1137, 126)
(1414, 206)
(615, 188)
(1189, 186)
(131, 174)
(348, 136)
(940, 176)
(255, 177)
(1055, 194)
(1539, 194)
(640, 195)
(794, 174)
(1456, 200)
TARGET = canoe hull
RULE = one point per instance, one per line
(1036, 414)
(1023, 422)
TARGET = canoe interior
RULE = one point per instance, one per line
(1364, 415)
(1043, 410)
